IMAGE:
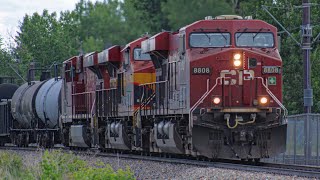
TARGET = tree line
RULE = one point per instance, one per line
(54, 37)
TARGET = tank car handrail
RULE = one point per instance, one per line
(274, 97)
(201, 100)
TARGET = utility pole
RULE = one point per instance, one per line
(306, 30)
(306, 35)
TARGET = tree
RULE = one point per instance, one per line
(146, 15)
(100, 25)
(3, 59)
(42, 39)
(183, 12)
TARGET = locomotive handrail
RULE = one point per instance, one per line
(274, 97)
(106, 89)
(87, 92)
(93, 104)
(144, 103)
(157, 82)
(201, 100)
(88, 106)
(171, 62)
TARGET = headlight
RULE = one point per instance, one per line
(237, 62)
(216, 100)
(237, 56)
(263, 100)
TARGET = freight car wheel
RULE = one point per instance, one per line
(46, 141)
(22, 140)
(257, 160)
(19, 140)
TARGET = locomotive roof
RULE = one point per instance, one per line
(89, 54)
(234, 24)
(133, 42)
(70, 59)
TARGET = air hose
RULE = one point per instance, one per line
(239, 123)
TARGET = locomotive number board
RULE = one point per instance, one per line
(201, 70)
(271, 70)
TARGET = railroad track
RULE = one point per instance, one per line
(273, 168)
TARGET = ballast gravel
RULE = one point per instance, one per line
(161, 170)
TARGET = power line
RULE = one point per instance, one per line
(294, 39)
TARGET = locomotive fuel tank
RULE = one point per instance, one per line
(47, 102)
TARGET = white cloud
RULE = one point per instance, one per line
(13, 11)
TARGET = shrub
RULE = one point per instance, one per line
(56, 165)
(102, 172)
(11, 167)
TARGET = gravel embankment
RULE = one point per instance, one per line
(159, 170)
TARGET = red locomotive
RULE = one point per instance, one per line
(213, 89)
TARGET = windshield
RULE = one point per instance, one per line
(138, 55)
(209, 39)
(254, 39)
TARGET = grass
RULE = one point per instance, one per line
(56, 165)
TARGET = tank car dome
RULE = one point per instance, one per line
(7, 90)
(48, 102)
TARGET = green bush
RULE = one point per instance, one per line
(56, 165)
(11, 167)
(102, 172)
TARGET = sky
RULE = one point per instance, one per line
(13, 11)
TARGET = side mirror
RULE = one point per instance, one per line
(182, 44)
(126, 57)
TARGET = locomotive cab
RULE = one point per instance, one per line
(76, 103)
(135, 70)
(236, 85)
